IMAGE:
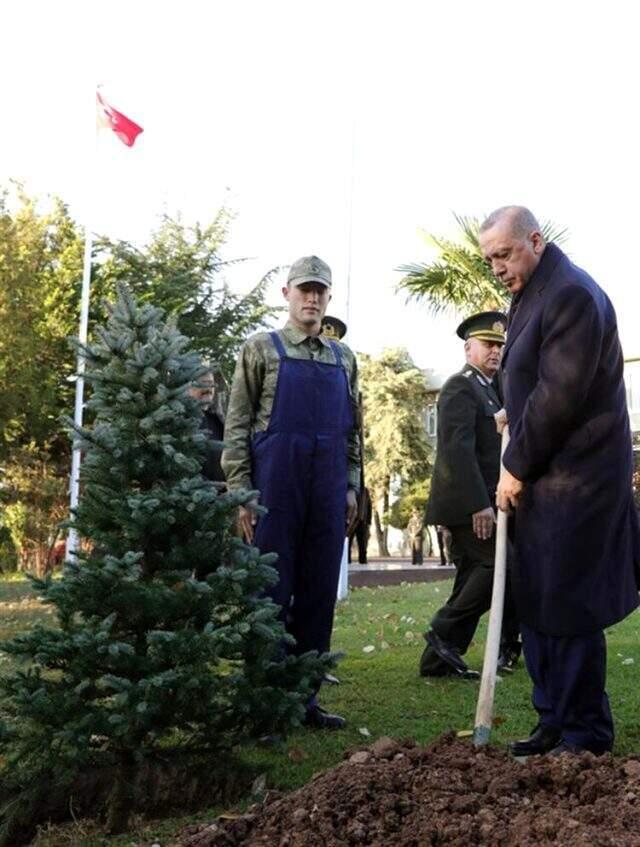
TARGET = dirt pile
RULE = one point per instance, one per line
(400, 795)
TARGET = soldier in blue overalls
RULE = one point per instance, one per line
(291, 433)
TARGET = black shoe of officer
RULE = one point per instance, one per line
(318, 718)
(542, 740)
(449, 653)
(508, 658)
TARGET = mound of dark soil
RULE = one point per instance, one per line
(400, 795)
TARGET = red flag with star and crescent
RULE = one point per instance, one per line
(110, 118)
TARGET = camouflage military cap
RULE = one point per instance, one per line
(309, 269)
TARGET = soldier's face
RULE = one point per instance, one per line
(512, 259)
(307, 304)
(484, 355)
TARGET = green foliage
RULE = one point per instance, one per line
(459, 277)
(34, 497)
(394, 394)
(164, 636)
(40, 274)
(41, 253)
(397, 451)
(410, 497)
(181, 271)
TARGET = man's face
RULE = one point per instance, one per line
(512, 259)
(484, 355)
(307, 304)
(204, 390)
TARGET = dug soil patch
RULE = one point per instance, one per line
(400, 795)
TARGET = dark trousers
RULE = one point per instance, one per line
(361, 533)
(416, 550)
(457, 620)
(569, 675)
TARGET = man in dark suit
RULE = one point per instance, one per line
(462, 495)
(568, 477)
(211, 424)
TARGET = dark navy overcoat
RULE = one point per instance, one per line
(576, 529)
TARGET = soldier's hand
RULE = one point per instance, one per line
(247, 519)
(483, 522)
(501, 420)
(508, 492)
(352, 510)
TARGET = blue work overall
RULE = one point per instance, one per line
(300, 468)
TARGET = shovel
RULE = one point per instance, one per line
(484, 710)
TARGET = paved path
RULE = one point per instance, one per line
(395, 570)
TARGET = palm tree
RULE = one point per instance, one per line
(459, 277)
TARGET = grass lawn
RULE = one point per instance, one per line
(380, 693)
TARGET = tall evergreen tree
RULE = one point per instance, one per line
(182, 271)
(397, 451)
(164, 636)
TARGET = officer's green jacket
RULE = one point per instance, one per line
(467, 462)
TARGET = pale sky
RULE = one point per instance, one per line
(282, 108)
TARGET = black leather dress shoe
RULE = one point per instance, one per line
(565, 747)
(574, 750)
(542, 740)
(466, 674)
(449, 653)
(508, 659)
(317, 718)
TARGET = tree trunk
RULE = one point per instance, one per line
(121, 798)
(382, 541)
(385, 514)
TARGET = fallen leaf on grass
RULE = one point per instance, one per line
(364, 731)
(497, 721)
(297, 754)
(627, 661)
(384, 645)
(368, 649)
(464, 733)
(409, 635)
(259, 785)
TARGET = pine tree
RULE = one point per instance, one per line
(165, 638)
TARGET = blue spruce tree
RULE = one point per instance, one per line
(165, 644)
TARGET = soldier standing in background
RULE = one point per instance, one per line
(415, 531)
(462, 495)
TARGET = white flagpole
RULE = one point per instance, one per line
(72, 539)
(74, 481)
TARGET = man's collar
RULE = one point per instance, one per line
(551, 255)
(484, 379)
(297, 336)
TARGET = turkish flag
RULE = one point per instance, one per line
(126, 129)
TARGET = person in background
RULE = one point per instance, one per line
(462, 497)
(212, 423)
(334, 328)
(415, 531)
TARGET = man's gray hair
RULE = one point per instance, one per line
(523, 222)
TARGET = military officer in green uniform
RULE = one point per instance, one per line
(462, 498)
